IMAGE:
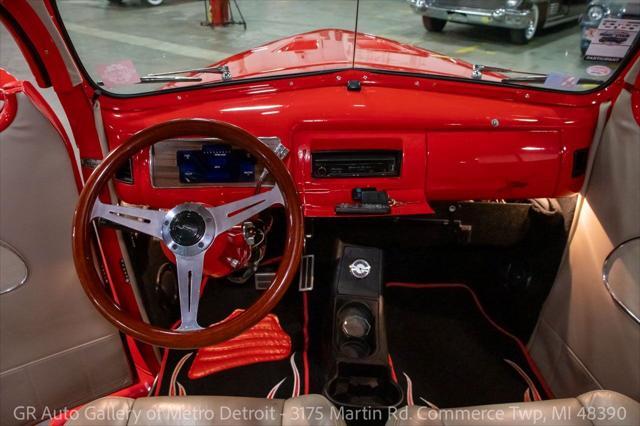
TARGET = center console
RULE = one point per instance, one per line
(360, 373)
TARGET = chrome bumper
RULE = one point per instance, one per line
(505, 18)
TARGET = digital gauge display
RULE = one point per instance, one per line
(215, 163)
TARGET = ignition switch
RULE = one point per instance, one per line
(249, 231)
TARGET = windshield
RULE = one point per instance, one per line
(137, 46)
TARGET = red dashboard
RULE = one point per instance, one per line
(489, 143)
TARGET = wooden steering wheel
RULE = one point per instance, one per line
(188, 230)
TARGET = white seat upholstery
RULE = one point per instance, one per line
(597, 408)
(306, 410)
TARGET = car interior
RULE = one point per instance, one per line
(344, 240)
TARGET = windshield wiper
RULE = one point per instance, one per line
(528, 77)
(166, 79)
(173, 77)
(222, 70)
(161, 79)
(479, 69)
(542, 79)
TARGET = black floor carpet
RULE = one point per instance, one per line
(454, 357)
(512, 281)
(219, 300)
(437, 337)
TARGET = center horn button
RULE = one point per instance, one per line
(187, 228)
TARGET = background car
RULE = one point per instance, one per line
(600, 9)
(522, 17)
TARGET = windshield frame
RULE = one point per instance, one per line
(634, 52)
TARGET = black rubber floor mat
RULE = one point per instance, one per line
(447, 352)
(278, 379)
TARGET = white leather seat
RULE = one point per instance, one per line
(597, 408)
(306, 410)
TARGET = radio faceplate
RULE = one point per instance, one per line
(356, 163)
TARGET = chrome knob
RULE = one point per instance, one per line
(356, 326)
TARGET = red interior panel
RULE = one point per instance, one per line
(458, 141)
(467, 165)
(320, 196)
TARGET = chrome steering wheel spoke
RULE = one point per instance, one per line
(234, 213)
(142, 220)
(188, 230)
(189, 283)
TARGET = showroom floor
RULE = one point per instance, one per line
(155, 37)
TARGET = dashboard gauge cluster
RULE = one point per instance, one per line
(215, 163)
(201, 162)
